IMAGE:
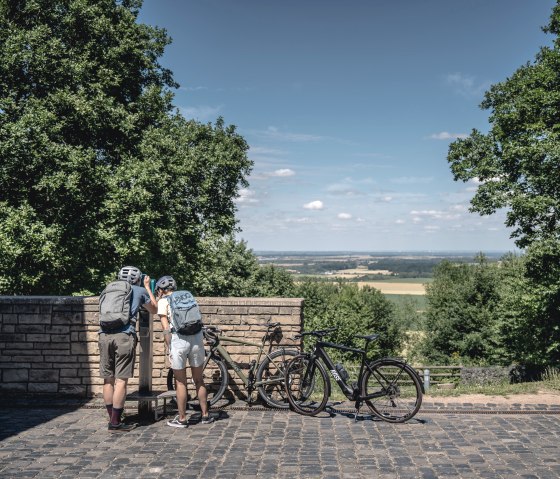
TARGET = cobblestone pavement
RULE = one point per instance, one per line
(454, 441)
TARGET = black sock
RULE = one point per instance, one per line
(116, 415)
(109, 410)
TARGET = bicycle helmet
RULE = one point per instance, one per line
(166, 283)
(131, 274)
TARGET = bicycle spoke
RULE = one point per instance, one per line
(270, 377)
(307, 386)
(398, 391)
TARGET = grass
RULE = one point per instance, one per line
(550, 383)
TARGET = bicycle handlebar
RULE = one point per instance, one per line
(319, 333)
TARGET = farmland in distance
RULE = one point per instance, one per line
(406, 268)
(394, 274)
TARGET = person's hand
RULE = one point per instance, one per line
(146, 281)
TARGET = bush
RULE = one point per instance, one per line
(353, 311)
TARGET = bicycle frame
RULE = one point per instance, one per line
(351, 392)
(254, 364)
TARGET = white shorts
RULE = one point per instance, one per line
(186, 347)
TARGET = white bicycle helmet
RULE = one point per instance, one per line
(131, 274)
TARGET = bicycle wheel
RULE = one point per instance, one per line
(215, 377)
(399, 389)
(307, 385)
(271, 374)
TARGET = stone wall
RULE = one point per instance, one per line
(49, 344)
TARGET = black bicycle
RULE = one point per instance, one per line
(389, 386)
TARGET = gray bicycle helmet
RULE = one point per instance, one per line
(131, 274)
(166, 283)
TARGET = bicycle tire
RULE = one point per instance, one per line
(272, 370)
(215, 377)
(307, 385)
(402, 396)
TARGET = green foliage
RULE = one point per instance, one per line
(529, 310)
(460, 315)
(518, 165)
(270, 281)
(96, 170)
(497, 314)
(518, 161)
(353, 311)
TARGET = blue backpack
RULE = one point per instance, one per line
(185, 314)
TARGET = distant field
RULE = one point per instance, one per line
(388, 287)
(391, 285)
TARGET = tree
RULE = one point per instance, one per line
(518, 160)
(529, 307)
(518, 165)
(460, 315)
(97, 169)
(353, 311)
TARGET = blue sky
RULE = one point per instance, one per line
(349, 108)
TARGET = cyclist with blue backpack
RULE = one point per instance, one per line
(181, 322)
(119, 304)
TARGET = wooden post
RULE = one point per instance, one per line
(145, 362)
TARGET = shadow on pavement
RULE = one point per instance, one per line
(15, 420)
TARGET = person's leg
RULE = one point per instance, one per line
(125, 356)
(108, 391)
(200, 387)
(196, 361)
(107, 370)
(181, 385)
(119, 397)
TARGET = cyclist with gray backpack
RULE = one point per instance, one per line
(119, 304)
(181, 322)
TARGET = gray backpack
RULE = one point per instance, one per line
(114, 306)
(185, 314)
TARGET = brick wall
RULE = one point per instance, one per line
(49, 344)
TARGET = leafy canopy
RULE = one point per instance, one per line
(518, 160)
(97, 170)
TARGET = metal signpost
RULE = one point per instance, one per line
(145, 364)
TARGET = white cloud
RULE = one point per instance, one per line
(344, 216)
(283, 172)
(411, 180)
(277, 134)
(435, 214)
(444, 135)
(202, 113)
(193, 88)
(400, 222)
(459, 208)
(314, 205)
(246, 196)
(298, 220)
(466, 85)
(263, 150)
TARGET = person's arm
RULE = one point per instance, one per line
(162, 313)
(151, 306)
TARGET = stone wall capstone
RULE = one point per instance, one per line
(48, 344)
